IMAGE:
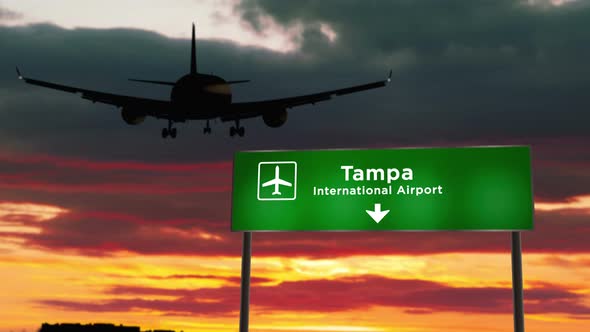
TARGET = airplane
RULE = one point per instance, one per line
(277, 181)
(197, 96)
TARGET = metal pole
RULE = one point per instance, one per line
(245, 286)
(517, 283)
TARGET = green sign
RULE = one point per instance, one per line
(474, 188)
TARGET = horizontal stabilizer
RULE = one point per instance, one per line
(152, 82)
(236, 82)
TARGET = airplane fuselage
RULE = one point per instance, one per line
(200, 96)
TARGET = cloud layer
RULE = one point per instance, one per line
(357, 293)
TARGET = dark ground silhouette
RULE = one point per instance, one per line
(97, 327)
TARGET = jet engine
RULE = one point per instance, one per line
(275, 119)
(132, 116)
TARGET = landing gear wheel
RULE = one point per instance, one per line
(207, 129)
(164, 132)
(173, 133)
(236, 129)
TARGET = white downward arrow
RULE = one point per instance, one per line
(377, 215)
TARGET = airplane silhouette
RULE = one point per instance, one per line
(197, 96)
(277, 181)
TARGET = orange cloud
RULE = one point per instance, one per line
(343, 294)
(575, 203)
(30, 211)
(23, 217)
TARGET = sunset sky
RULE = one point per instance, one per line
(104, 222)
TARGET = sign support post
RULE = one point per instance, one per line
(517, 283)
(245, 284)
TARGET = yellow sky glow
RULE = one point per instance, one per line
(29, 275)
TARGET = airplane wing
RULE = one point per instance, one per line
(269, 183)
(284, 183)
(152, 107)
(257, 108)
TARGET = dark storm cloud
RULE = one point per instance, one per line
(416, 296)
(482, 70)
(478, 72)
(430, 27)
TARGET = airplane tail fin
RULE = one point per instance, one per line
(193, 53)
(152, 82)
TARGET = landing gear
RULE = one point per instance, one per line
(207, 129)
(237, 130)
(169, 131)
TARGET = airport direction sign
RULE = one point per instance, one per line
(421, 189)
